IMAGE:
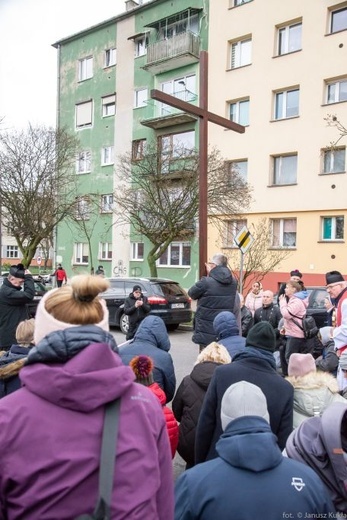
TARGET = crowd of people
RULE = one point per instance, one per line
(260, 420)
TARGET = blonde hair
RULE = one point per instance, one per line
(78, 303)
(25, 332)
(214, 352)
(297, 286)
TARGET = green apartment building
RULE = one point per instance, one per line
(105, 74)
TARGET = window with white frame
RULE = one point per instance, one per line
(336, 91)
(334, 161)
(232, 229)
(240, 53)
(84, 114)
(240, 167)
(289, 38)
(137, 250)
(176, 255)
(82, 209)
(338, 20)
(107, 155)
(183, 88)
(110, 57)
(138, 149)
(287, 103)
(141, 44)
(240, 2)
(333, 228)
(283, 232)
(83, 162)
(239, 112)
(105, 251)
(81, 253)
(107, 203)
(12, 252)
(140, 97)
(85, 68)
(284, 169)
(175, 147)
(109, 105)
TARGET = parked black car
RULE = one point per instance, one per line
(316, 307)
(167, 299)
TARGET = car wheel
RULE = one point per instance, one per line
(124, 323)
(173, 326)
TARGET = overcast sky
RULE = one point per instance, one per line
(28, 73)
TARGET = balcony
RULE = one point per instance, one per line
(158, 115)
(172, 53)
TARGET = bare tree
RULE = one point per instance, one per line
(259, 258)
(161, 200)
(37, 183)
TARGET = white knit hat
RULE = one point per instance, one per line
(242, 399)
(45, 323)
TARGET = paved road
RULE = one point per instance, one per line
(184, 354)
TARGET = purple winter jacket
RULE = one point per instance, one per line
(50, 437)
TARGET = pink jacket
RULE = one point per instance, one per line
(296, 306)
(254, 301)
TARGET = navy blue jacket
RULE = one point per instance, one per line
(228, 333)
(215, 293)
(151, 339)
(256, 366)
(250, 479)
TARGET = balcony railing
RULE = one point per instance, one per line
(182, 48)
(159, 115)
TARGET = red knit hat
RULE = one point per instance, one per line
(143, 369)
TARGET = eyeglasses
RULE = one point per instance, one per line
(332, 285)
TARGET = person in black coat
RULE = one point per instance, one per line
(269, 312)
(256, 365)
(136, 306)
(247, 320)
(189, 397)
(214, 293)
(17, 290)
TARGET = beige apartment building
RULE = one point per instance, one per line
(279, 67)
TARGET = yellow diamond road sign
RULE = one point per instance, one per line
(244, 239)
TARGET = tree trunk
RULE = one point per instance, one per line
(151, 259)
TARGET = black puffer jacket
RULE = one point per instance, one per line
(215, 293)
(187, 404)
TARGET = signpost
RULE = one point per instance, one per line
(244, 241)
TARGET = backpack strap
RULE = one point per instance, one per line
(296, 322)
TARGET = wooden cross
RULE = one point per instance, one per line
(204, 117)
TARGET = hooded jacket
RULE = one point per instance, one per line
(187, 404)
(171, 423)
(215, 293)
(313, 393)
(50, 433)
(328, 361)
(318, 443)
(249, 479)
(294, 309)
(151, 339)
(228, 333)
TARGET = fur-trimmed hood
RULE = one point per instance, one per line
(313, 393)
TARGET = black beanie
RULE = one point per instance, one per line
(137, 288)
(18, 271)
(333, 277)
(296, 272)
(262, 335)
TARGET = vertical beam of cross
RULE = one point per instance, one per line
(205, 117)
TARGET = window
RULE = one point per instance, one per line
(337, 91)
(109, 105)
(82, 209)
(85, 68)
(138, 149)
(12, 252)
(241, 53)
(107, 203)
(287, 104)
(107, 155)
(233, 228)
(332, 228)
(84, 114)
(83, 162)
(334, 160)
(183, 88)
(137, 250)
(240, 167)
(285, 168)
(283, 232)
(240, 2)
(239, 112)
(105, 251)
(81, 253)
(338, 20)
(140, 97)
(179, 23)
(141, 44)
(289, 38)
(176, 255)
(110, 57)
(174, 148)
